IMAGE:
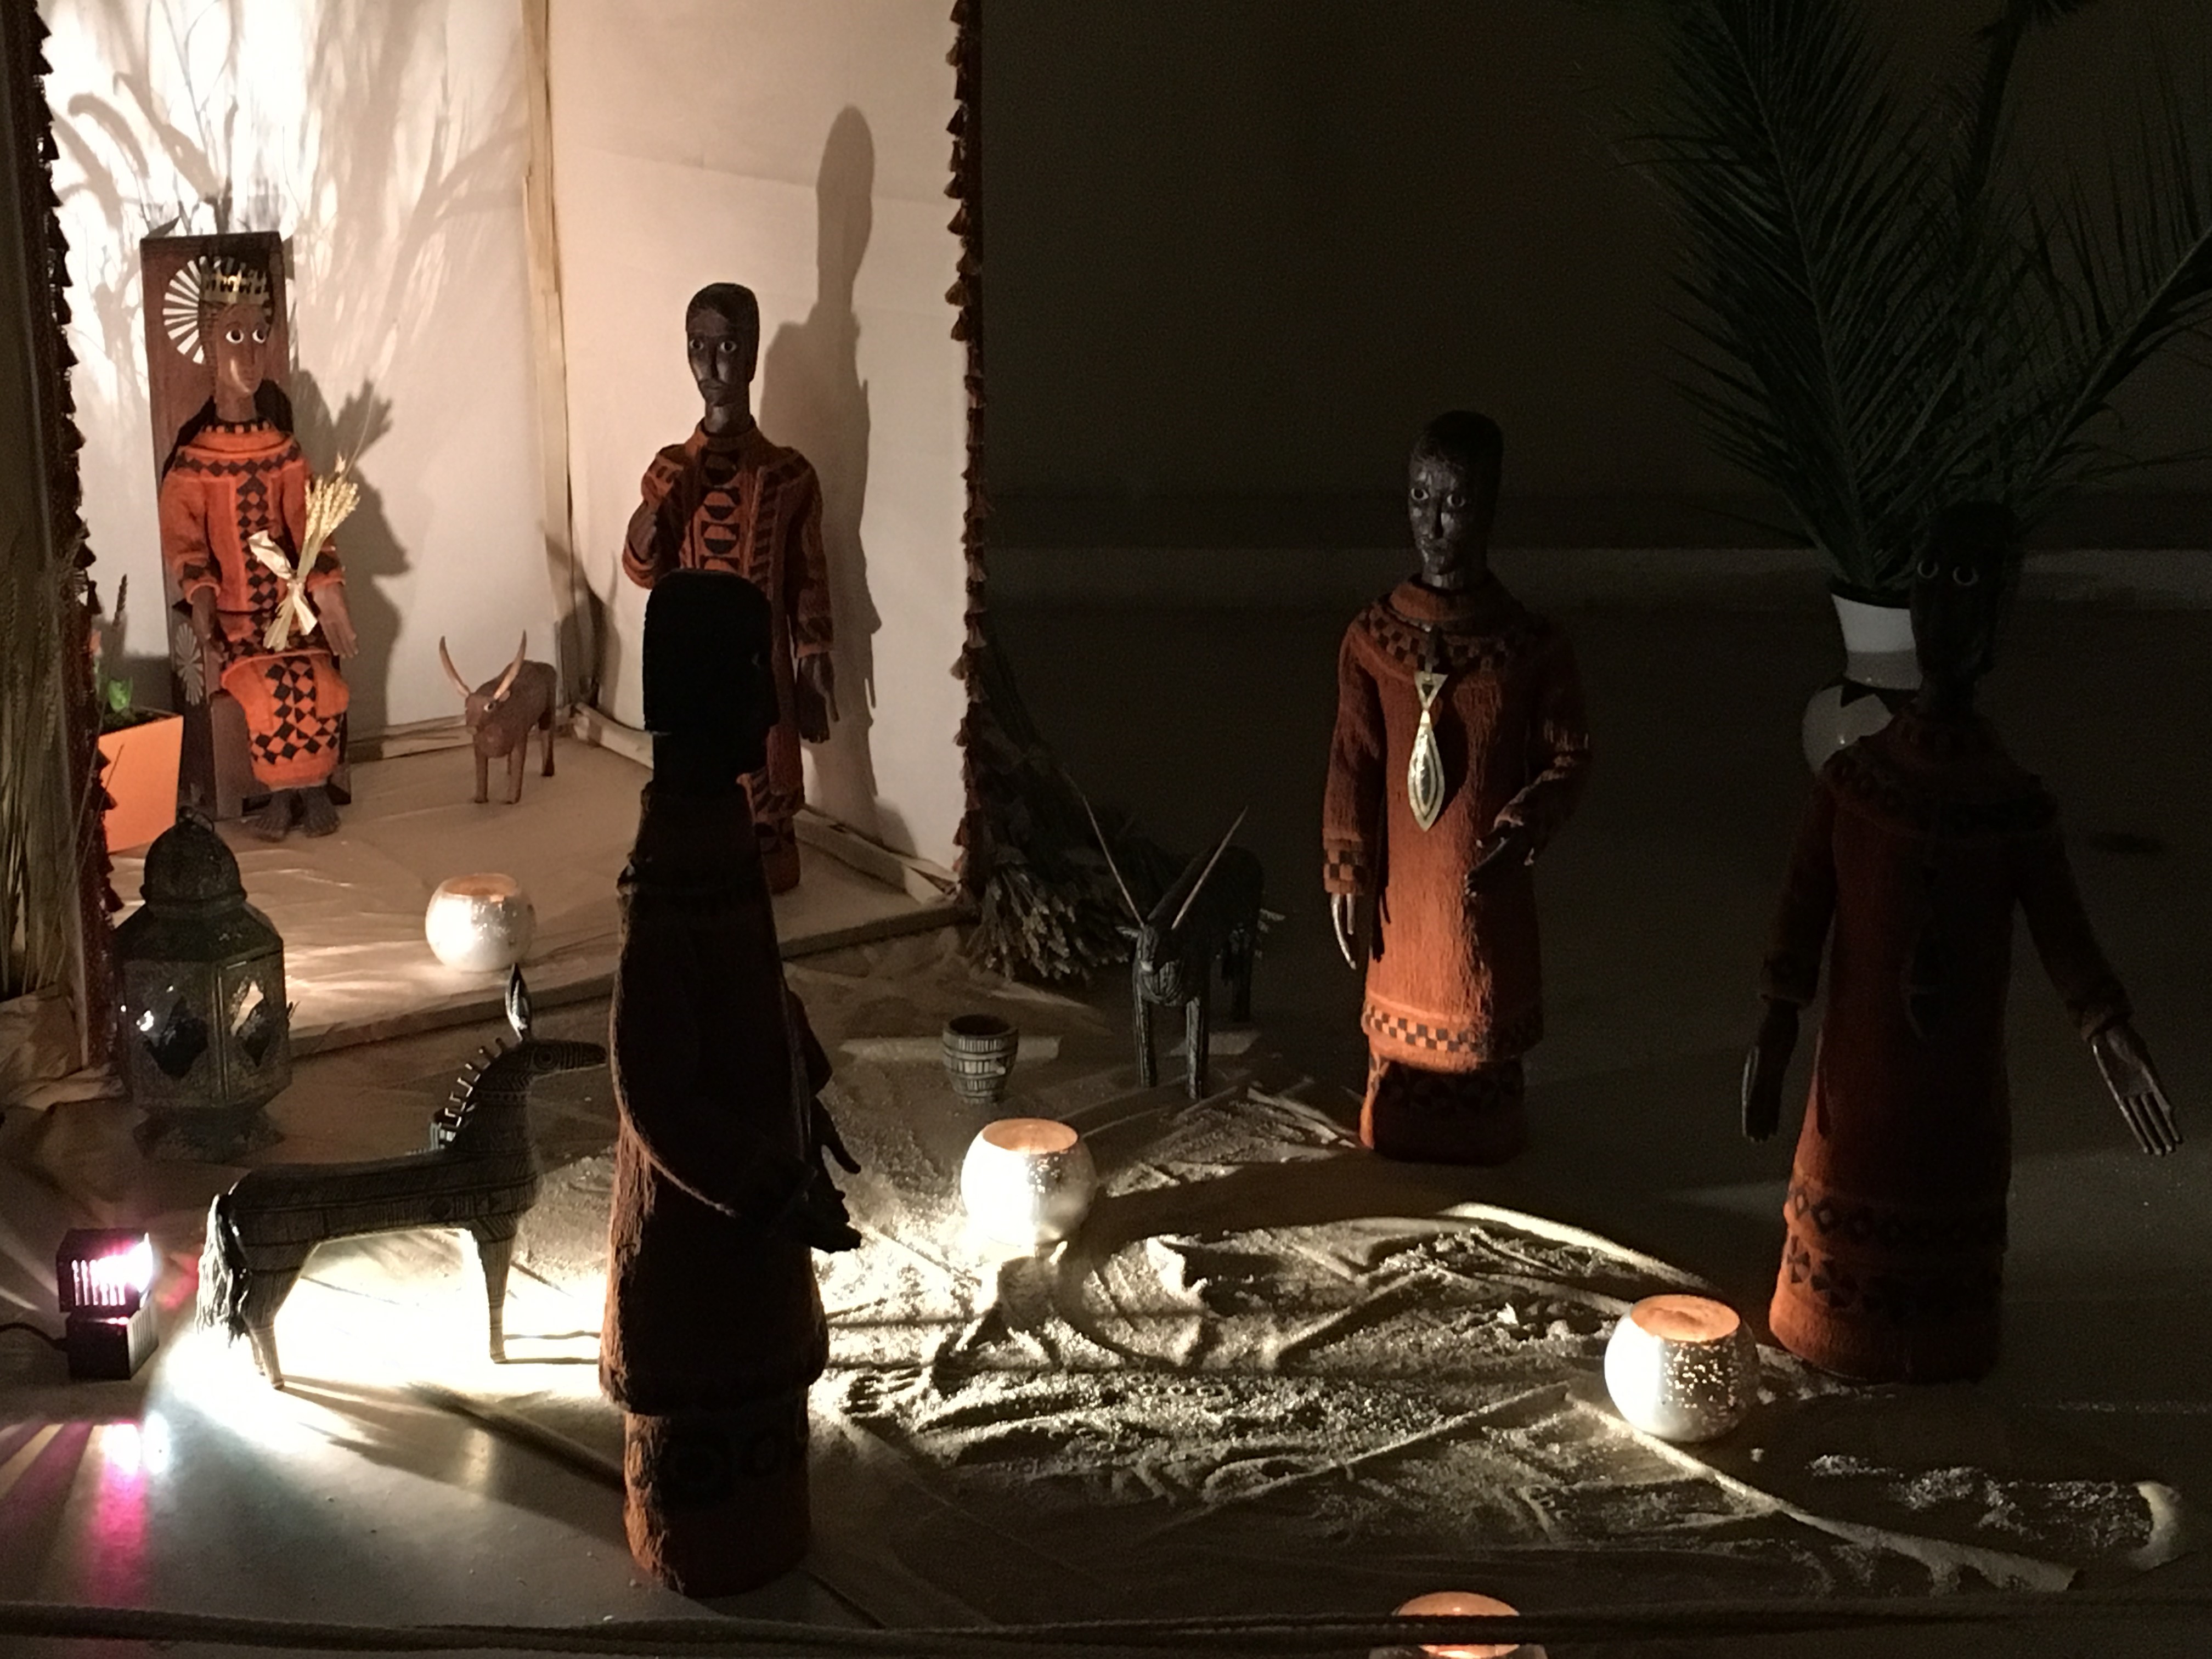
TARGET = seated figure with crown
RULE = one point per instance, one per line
(245, 538)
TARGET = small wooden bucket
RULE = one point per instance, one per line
(979, 1055)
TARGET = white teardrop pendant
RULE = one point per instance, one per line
(1424, 773)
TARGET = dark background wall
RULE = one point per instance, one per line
(1241, 249)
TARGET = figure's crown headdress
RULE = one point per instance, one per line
(232, 282)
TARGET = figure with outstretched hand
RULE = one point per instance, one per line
(1920, 843)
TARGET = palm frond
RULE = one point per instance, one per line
(1884, 320)
(1818, 266)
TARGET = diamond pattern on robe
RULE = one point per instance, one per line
(296, 729)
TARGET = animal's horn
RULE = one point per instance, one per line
(512, 669)
(1199, 883)
(518, 1004)
(452, 672)
(1136, 914)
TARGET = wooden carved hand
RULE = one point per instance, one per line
(1506, 847)
(815, 693)
(1765, 1068)
(329, 602)
(2134, 1082)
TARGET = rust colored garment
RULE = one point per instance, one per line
(229, 483)
(1453, 983)
(1918, 842)
(716, 1502)
(708, 1305)
(735, 501)
(1445, 1117)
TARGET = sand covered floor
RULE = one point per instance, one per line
(1272, 1371)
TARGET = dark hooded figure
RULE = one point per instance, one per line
(1920, 842)
(714, 1324)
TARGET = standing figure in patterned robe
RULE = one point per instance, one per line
(1460, 750)
(1919, 842)
(235, 482)
(713, 1325)
(728, 499)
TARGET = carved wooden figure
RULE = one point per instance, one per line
(1211, 912)
(713, 1325)
(1920, 842)
(1460, 750)
(246, 550)
(480, 1174)
(728, 499)
(501, 712)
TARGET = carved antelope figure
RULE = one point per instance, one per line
(501, 712)
(1211, 910)
(480, 1174)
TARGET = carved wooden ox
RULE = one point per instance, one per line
(480, 1174)
(501, 712)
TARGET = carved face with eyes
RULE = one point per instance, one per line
(1959, 590)
(237, 339)
(1449, 507)
(722, 354)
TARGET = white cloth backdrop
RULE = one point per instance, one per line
(800, 149)
(388, 140)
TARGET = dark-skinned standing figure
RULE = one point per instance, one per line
(1919, 842)
(713, 1325)
(728, 499)
(1460, 749)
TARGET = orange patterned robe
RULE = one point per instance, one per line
(1919, 841)
(228, 481)
(754, 508)
(1454, 989)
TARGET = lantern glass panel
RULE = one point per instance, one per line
(173, 1052)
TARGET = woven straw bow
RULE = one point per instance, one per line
(329, 501)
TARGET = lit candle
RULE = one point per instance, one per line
(1028, 1181)
(1681, 1367)
(1441, 1604)
(479, 923)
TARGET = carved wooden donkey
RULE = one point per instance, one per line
(501, 712)
(479, 1174)
(1212, 909)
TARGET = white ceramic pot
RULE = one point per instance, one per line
(1682, 1368)
(479, 923)
(1028, 1181)
(1879, 671)
(1467, 1604)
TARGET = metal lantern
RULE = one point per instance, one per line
(101, 1275)
(206, 1031)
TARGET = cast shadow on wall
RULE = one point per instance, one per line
(812, 398)
(367, 549)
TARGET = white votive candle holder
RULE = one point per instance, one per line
(1447, 1604)
(1682, 1368)
(1027, 1180)
(479, 923)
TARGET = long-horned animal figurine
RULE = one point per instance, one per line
(479, 1174)
(1212, 910)
(501, 712)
